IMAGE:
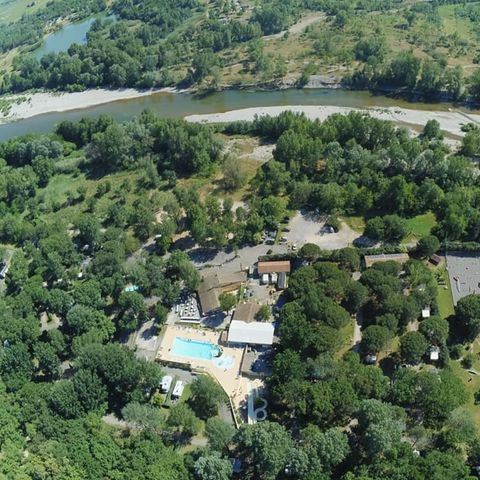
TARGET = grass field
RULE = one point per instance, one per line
(391, 351)
(244, 149)
(347, 335)
(445, 300)
(63, 187)
(472, 385)
(444, 292)
(57, 188)
(420, 226)
(355, 223)
(12, 10)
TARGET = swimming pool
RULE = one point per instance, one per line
(185, 347)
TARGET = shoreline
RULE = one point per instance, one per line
(450, 121)
(40, 103)
(23, 106)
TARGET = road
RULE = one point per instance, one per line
(145, 341)
(298, 27)
(244, 257)
(7, 257)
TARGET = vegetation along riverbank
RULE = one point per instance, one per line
(429, 48)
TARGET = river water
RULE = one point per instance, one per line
(61, 40)
(178, 105)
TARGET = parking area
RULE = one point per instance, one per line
(175, 386)
(185, 376)
(464, 272)
(204, 258)
(216, 320)
(304, 227)
(310, 227)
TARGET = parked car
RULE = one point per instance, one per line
(285, 229)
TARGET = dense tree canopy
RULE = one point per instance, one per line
(91, 217)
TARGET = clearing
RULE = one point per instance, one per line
(308, 227)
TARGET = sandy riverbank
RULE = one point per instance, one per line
(450, 121)
(30, 105)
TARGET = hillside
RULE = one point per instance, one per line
(406, 46)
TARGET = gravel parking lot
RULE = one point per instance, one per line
(305, 227)
(308, 227)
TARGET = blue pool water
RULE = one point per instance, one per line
(184, 347)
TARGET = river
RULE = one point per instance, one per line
(69, 34)
(179, 105)
(61, 40)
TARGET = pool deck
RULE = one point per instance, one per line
(236, 387)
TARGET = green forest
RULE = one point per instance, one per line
(421, 48)
(77, 205)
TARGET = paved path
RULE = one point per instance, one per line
(145, 341)
(114, 421)
(199, 441)
(246, 256)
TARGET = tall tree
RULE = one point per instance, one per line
(412, 347)
(212, 467)
(467, 316)
(267, 445)
(206, 396)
